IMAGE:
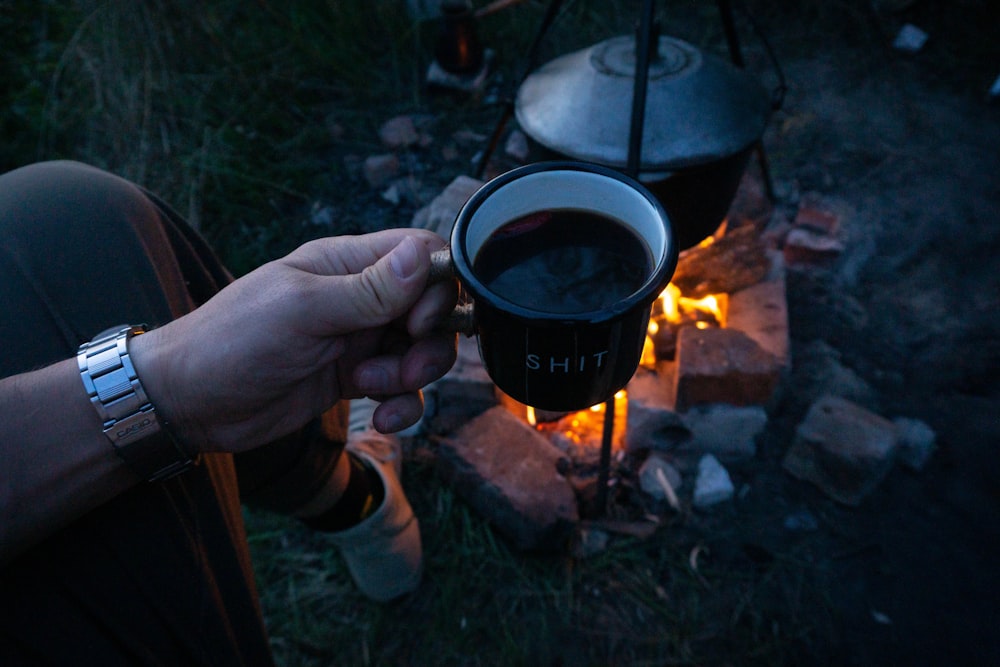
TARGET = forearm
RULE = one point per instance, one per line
(56, 464)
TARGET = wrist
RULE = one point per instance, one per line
(149, 363)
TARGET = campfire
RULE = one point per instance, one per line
(717, 345)
(582, 432)
(672, 310)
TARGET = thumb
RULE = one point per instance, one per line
(385, 289)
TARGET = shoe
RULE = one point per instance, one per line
(362, 436)
(384, 553)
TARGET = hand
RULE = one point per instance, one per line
(338, 318)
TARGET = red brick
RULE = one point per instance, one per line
(723, 366)
(843, 449)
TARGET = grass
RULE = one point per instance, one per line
(640, 602)
(248, 116)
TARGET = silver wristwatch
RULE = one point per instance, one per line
(129, 418)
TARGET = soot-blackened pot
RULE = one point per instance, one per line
(703, 118)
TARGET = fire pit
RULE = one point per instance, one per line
(716, 350)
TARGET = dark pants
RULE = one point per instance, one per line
(161, 574)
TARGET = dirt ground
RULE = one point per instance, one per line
(907, 148)
(907, 324)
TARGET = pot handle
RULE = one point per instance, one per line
(460, 320)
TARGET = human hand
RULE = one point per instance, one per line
(338, 318)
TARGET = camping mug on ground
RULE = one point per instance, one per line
(563, 261)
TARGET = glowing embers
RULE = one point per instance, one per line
(582, 430)
(670, 312)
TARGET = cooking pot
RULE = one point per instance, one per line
(703, 118)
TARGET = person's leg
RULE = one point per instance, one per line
(161, 573)
(82, 251)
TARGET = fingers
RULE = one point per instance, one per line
(384, 290)
(398, 412)
(437, 301)
(375, 283)
(346, 255)
(424, 362)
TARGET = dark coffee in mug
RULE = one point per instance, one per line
(563, 261)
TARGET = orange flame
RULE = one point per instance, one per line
(586, 427)
(672, 308)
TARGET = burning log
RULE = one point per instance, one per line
(735, 261)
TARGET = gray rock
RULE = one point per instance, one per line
(728, 432)
(379, 170)
(659, 479)
(916, 442)
(713, 485)
(439, 216)
(398, 132)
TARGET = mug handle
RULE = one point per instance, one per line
(460, 320)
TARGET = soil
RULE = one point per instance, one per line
(911, 310)
(906, 324)
(905, 147)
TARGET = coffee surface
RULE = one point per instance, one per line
(563, 262)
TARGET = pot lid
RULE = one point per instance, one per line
(699, 108)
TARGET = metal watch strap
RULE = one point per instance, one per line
(129, 418)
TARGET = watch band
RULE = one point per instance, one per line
(129, 418)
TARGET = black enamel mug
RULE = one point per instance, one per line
(589, 250)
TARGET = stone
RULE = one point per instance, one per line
(508, 473)
(659, 479)
(751, 204)
(723, 366)
(916, 442)
(439, 216)
(806, 247)
(727, 432)
(843, 449)
(321, 215)
(813, 217)
(379, 170)
(761, 312)
(465, 391)
(773, 236)
(392, 194)
(712, 485)
(802, 521)
(590, 542)
(909, 39)
(516, 145)
(819, 370)
(421, 10)
(399, 132)
(652, 422)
